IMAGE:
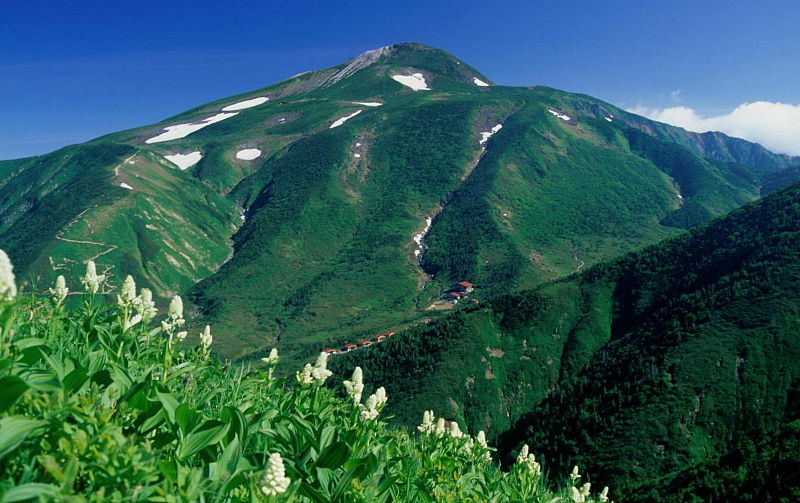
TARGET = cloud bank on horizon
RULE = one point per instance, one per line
(776, 126)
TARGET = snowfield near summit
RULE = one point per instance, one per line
(339, 122)
(185, 161)
(485, 135)
(184, 130)
(368, 103)
(560, 116)
(478, 82)
(415, 81)
(248, 154)
(125, 186)
(246, 104)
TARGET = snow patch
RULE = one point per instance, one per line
(560, 116)
(415, 81)
(339, 122)
(246, 104)
(358, 144)
(125, 186)
(368, 103)
(357, 156)
(485, 135)
(418, 237)
(478, 82)
(608, 119)
(183, 130)
(248, 154)
(184, 161)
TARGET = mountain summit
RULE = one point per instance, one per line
(346, 201)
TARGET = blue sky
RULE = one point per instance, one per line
(74, 70)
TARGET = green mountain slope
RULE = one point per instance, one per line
(672, 372)
(343, 202)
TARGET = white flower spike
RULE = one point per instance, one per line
(91, 280)
(60, 291)
(355, 387)
(274, 481)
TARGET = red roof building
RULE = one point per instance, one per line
(330, 351)
(364, 342)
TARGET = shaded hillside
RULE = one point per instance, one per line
(672, 372)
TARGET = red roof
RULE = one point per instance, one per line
(466, 284)
(364, 342)
(379, 337)
(456, 294)
(388, 334)
(330, 350)
(350, 346)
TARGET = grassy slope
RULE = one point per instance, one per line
(326, 253)
(659, 370)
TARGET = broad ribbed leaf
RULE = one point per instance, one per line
(334, 456)
(14, 430)
(11, 388)
(28, 492)
(208, 434)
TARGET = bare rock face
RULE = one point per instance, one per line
(361, 61)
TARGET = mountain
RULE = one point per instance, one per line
(671, 373)
(343, 202)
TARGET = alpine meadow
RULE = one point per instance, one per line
(394, 280)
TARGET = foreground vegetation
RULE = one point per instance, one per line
(99, 404)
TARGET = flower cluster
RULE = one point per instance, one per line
(355, 387)
(59, 291)
(273, 358)
(317, 373)
(528, 461)
(428, 426)
(144, 305)
(274, 480)
(375, 402)
(174, 315)
(91, 280)
(126, 298)
(205, 338)
(8, 288)
(580, 495)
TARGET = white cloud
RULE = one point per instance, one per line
(774, 125)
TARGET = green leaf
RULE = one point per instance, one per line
(185, 416)
(11, 388)
(14, 430)
(208, 434)
(102, 378)
(170, 403)
(75, 379)
(29, 342)
(229, 460)
(27, 492)
(42, 380)
(334, 456)
(238, 422)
